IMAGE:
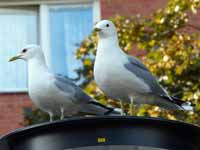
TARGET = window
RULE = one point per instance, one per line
(69, 25)
(18, 27)
(58, 26)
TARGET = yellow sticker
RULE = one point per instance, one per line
(101, 140)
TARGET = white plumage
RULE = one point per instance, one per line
(53, 93)
(123, 77)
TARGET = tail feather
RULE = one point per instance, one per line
(182, 104)
(99, 109)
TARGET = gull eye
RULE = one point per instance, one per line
(107, 25)
(24, 50)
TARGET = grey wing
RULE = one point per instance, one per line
(67, 86)
(140, 70)
(80, 97)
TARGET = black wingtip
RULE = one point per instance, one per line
(174, 100)
(109, 111)
(183, 104)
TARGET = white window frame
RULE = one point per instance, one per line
(43, 26)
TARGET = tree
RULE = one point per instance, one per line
(169, 50)
(169, 46)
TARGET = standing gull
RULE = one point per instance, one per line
(53, 93)
(125, 78)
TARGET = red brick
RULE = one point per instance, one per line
(11, 111)
(111, 8)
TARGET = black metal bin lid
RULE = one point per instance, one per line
(103, 132)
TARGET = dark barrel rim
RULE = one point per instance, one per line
(97, 119)
(119, 130)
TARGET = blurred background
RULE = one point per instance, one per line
(164, 34)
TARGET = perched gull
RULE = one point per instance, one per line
(125, 78)
(53, 93)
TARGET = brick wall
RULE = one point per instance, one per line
(11, 111)
(130, 7)
(110, 8)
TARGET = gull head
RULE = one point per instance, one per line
(105, 28)
(28, 52)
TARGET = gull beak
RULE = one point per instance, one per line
(97, 29)
(15, 58)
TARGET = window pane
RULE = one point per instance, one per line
(18, 27)
(69, 26)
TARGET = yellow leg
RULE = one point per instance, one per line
(123, 109)
(131, 106)
(62, 110)
(50, 116)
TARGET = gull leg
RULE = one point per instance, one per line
(50, 116)
(62, 110)
(131, 106)
(122, 107)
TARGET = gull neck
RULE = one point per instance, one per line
(109, 40)
(37, 67)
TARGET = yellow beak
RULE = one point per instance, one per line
(97, 29)
(15, 58)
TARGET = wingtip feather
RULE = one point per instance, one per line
(187, 106)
